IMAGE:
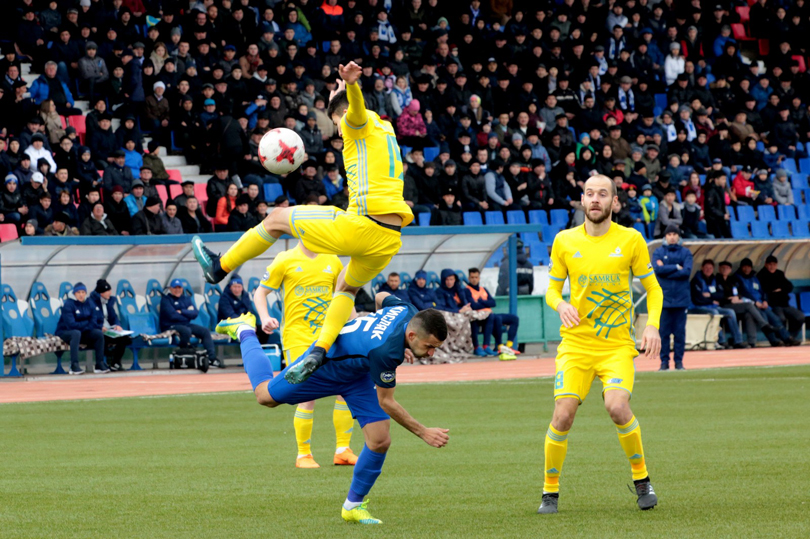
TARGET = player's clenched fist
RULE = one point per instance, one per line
(436, 437)
(269, 324)
(568, 314)
(350, 72)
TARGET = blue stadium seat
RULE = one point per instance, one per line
(212, 294)
(766, 213)
(799, 228)
(494, 218)
(804, 165)
(45, 318)
(432, 279)
(792, 300)
(272, 191)
(405, 150)
(559, 218)
(538, 254)
(431, 153)
(661, 101)
(516, 217)
(549, 232)
(376, 283)
(424, 218)
(462, 277)
(641, 228)
(745, 214)
(64, 289)
(702, 179)
(472, 218)
(803, 211)
(804, 303)
(405, 280)
(760, 146)
(154, 293)
(780, 229)
(790, 165)
(16, 323)
(797, 196)
(538, 217)
(759, 230)
(739, 231)
(127, 302)
(253, 284)
(786, 212)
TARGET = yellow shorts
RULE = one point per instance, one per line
(576, 372)
(294, 353)
(329, 230)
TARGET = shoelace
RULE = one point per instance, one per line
(642, 489)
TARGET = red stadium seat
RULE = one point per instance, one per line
(163, 194)
(175, 175)
(800, 59)
(201, 194)
(79, 123)
(764, 47)
(738, 31)
(744, 13)
(64, 122)
(8, 232)
(175, 190)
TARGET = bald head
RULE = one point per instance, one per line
(598, 196)
(599, 181)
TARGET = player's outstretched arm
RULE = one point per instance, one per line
(356, 116)
(432, 436)
(260, 301)
(650, 339)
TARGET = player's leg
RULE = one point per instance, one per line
(512, 321)
(302, 423)
(257, 364)
(252, 243)
(344, 426)
(366, 471)
(490, 323)
(679, 325)
(666, 331)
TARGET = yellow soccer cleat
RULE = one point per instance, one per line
(346, 458)
(359, 515)
(506, 353)
(306, 462)
(230, 325)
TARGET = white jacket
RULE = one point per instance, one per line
(36, 155)
(673, 67)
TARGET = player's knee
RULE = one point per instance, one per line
(379, 446)
(264, 399)
(564, 413)
(619, 411)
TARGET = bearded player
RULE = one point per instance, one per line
(368, 231)
(600, 259)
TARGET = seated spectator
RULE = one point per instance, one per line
(745, 309)
(104, 300)
(97, 223)
(216, 188)
(61, 226)
(132, 158)
(52, 121)
(451, 299)
(225, 205)
(117, 173)
(751, 289)
(118, 211)
(241, 218)
(135, 199)
(155, 163)
(43, 212)
(777, 289)
(449, 211)
(48, 86)
(419, 294)
(500, 196)
(707, 297)
(309, 183)
(31, 228)
(480, 299)
(156, 110)
(450, 296)
(171, 223)
(148, 221)
(36, 187)
(87, 171)
(692, 217)
(717, 217)
(669, 214)
(188, 192)
(176, 312)
(93, 72)
(80, 323)
(392, 287)
(149, 188)
(192, 218)
(12, 205)
(782, 189)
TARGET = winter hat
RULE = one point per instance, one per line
(102, 286)
(672, 229)
(414, 105)
(151, 201)
(78, 287)
(236, 279)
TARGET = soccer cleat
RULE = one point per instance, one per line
(212, 270)
(302, 370)
(359, 515)
(490, 351)
(549, 504)
(345, 458)
(230, 325)
(506, 353)
(646, 495)
(307, 461)
(480, 352)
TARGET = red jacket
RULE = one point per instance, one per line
(742, 187)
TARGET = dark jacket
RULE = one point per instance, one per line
(112, 316)
(93, 227)
(481, 304)
(450, 299)
(115, 175)
(238, 222)
(79, 316)
(230, 306)
(525, 275)
(169, 316)
(118, 213)
(729, 287)
(191, 226)
(750, 287)
(776, 281)
(700, 285)
(423, 298)
(400, 293)
(146, 223)
(674, 282)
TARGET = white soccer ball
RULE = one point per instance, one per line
(281, 150)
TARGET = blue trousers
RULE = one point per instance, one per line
(93, 338)
(505, 319)
(673, 322)
(487, 324)
(729, 317)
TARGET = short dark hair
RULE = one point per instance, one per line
(725, 263)
(393, 274)
(473, 270)
(432, 322)
(707, 261)
(338, 102)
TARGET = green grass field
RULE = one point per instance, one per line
(728, 452)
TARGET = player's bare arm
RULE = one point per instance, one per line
(269, 324)
(350, 73)
(568, 314)
(432, 436)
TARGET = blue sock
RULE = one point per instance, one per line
(366, 471)
(257, 364)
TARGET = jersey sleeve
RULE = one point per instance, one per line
(356, 123)
(641, 264)
(338, 270)
(557, 273)
(642, 268)
(274, 275)
(384, 360)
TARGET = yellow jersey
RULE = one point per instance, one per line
(373, 164)
(600, 271)
(305, 286)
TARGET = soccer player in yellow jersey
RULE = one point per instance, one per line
(305, 282)
(368, 231)
(600, 259)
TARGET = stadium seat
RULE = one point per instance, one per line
(786, 212)
(44, 309)
(253, 284)
(803, 210)
(559, 218)
(175, 190)
(744, 13)
(766, 213)
(79, 123)
(800, 59)
(538, 254)
(549, 232)
(804, 303)
(790, 165)
(163, 194)
(201, 194)
(738, 30)
(423, 218)
(472, 218)
(797, 196)
(764, 47)
(661, 101)
(462, 277)
(538, 217)
(799, 227)
(641, 228)
(759, 230)
(792, 301)
(129, 302)
(154, 293)
(739, 231)
(780, 229)
(494, 218)
(16, 322)
(272, 191)
(804, 165)
(431, 153)
(377, 282)
(212, 295)
(65, 289)
(405, 280)
(8, 232)
(702, 179)
(175, 175)
(432, 280)
(516, 217)
(745, 214)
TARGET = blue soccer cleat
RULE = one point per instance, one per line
(208, 260)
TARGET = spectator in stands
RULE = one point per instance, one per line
(419, 294)
(157, 113)
(149, 188)
(177, 311)
(708, 297)
(392, 286)
(104, 300)
(309, 183)
(102, 143)
(498, 191)
(80, 323)
(118, 211)
(241, 219)
(43, 212)
(192, 218)
(52, 121)
(135, 199)
(61, 226)
(188, 192)
(669, 214)
(672, 264)
(49, 86)
(225, 205)
(97, 223)
(449, 211)
(148, 221)
(217, 187)
(717, 217)
(692, 217)
(782, 189)
(171, 223)
(525, 273)
(12, 206)
(32, 190)
(37, 150)
(31, 228)
(93, 72)
(117, 173)
(777, 289)
(155, 163)
(751, 289)
(480, 299)
(745, 309)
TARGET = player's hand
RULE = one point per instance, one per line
(269, 324)
(436, 437)
(568, 314)
(350, 72)
(341, 85)
(409, 357)
(651, 342)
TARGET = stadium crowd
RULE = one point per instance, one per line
(498, 105)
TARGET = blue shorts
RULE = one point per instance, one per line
(358, 391)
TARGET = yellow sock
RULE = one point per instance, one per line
(630, 438)
(252, 243)
(336, 316)
(303, 430)
(344, 424)
(510, 344)
(556, 447)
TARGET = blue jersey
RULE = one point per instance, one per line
(373, 345)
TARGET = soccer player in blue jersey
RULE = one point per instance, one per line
(366, 354)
